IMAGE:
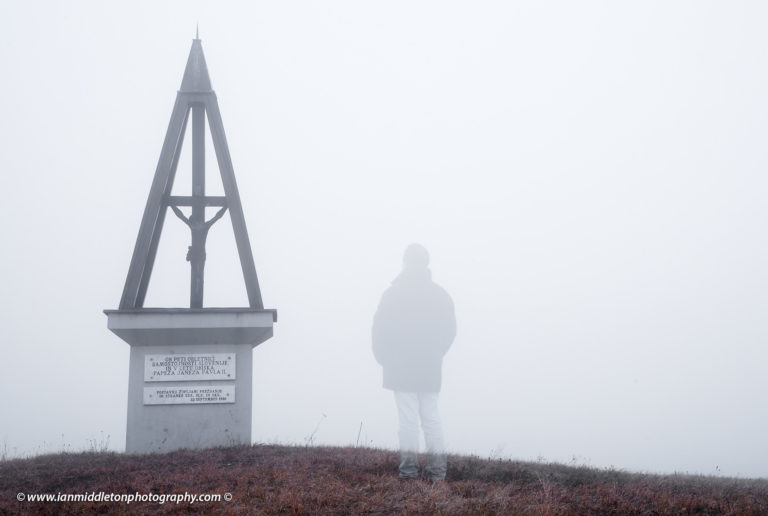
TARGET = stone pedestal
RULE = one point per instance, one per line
(190, 375)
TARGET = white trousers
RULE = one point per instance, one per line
(412, 406)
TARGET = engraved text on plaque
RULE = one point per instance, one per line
(201, 366)
(189, 395)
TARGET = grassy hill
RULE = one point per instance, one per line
(264, 479)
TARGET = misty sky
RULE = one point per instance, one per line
(589, 178)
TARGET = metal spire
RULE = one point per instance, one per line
(196, 96)
(196, 73)
(197, 31)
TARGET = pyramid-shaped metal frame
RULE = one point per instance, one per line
(196, 96)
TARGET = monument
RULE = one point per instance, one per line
(190, 371)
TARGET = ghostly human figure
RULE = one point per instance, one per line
(412, 330)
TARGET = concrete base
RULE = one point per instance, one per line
(166, 427)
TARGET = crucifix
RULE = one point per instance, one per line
(196, 221)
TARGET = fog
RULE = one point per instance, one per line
(588, 177)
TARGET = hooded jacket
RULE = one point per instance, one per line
(413, 328)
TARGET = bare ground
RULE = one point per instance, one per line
(271, 479)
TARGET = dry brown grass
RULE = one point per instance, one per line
(313, 480)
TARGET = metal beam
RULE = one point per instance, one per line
(196, 255)
(233, 200)
(184, 200)
(147, 274)
(149, 221)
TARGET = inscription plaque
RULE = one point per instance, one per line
(201, 366)
(189, 395)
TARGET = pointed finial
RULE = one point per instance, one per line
(196, 73)
(197, 31)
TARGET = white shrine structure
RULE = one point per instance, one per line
(190, 372)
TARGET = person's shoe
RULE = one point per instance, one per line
(409, 465)
(436, 467)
